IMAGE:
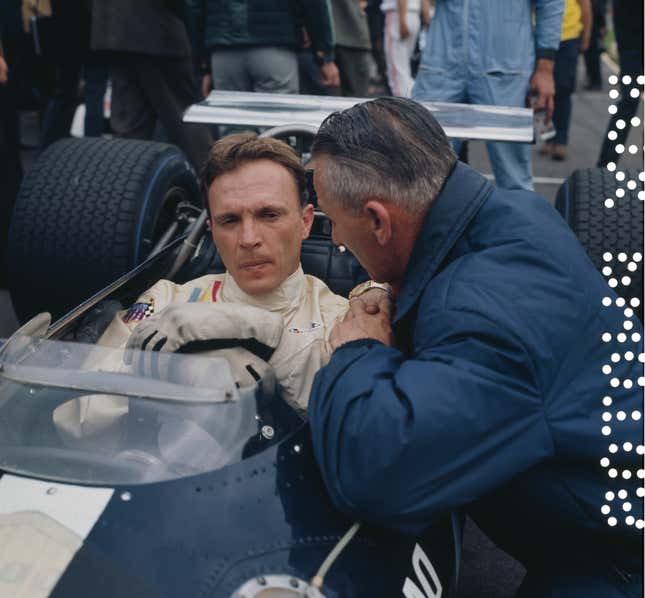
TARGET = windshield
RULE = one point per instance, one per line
(98, 415)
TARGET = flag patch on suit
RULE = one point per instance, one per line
(139, 311)
(314, 326)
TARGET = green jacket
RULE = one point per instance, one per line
(243, 23)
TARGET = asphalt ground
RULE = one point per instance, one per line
(486, 571)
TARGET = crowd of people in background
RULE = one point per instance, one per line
(158, 58)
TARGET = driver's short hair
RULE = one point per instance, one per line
(233, 151)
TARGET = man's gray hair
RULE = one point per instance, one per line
(391, 149)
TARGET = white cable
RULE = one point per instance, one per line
(317, 580)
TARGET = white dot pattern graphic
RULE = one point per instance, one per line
(621, 270)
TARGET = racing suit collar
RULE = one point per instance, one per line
(463, 194)
(286, 296)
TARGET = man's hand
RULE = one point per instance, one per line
(374, 300)
(425, 13)
(368, 317)
(207, 85)
(404, 30)
(402, 9)
(542, 86)
(4, 71)
(329, 74)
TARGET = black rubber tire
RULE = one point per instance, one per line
(615, 230)
(88, 211)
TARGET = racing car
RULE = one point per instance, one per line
(202, 488)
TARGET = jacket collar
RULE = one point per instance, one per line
(463, 193)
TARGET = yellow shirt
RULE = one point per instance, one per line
(571, 21)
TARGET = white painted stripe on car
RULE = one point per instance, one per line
(75, 507)
(42, 526)
(35, 551)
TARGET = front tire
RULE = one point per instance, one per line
(90, 210)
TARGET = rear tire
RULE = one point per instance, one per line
(90, 210)
(615, 230)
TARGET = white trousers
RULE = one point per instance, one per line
(399, 51)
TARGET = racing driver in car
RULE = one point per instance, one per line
(259, 215)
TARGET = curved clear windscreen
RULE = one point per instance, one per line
(98, 415)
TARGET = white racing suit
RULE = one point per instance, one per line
(306, 305)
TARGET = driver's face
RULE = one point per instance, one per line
(258, 225)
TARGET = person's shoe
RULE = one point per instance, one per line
(559, 152)
(546, 149)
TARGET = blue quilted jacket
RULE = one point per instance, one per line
(493, 399)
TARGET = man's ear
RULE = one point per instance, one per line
(380, 221)
(307, 220)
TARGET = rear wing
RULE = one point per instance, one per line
(459, 121)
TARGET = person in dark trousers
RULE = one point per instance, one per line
(10, 163)
(65, 48)
(151, 71)
(376, 23)
(352, 47)
(576, 29)
(485, 384)
(592, 55)
(628, 27)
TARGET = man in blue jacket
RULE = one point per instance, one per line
(506, 377)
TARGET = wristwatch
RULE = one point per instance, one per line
(321, 58)
(367, 285)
